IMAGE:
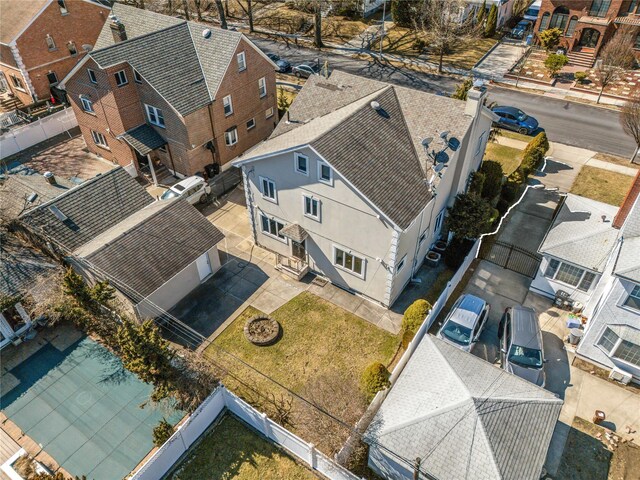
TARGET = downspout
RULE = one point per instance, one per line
(213, 135)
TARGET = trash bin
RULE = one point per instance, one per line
(575, 334)
(599, 417)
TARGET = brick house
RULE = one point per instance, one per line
(588, 25)
(42, 40)
(160, 92)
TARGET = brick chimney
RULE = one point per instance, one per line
(629, 201)
(117, 29)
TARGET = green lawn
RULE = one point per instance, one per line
(234, 451)
(508, 157)
(515, 135)
(602, 185)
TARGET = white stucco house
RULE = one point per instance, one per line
(345, 187)
(592, 252)
(505, 9)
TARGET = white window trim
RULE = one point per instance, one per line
(104, 145)
(92, 76)
(124, 74)
(574, 287)
(611, 353)
(253, 124)
(262, 84)
(224, 99)
(155, 110)
(269, 234)
(624, 297)
(244, 61)
(422, 238)
(320, 179)
(304, 206)
(350, 252)
(275, 190)
(268, 113)
(235, 137)
(296, 156)
(401, 264)
(84, 105)
(136, 76)
(22, 89)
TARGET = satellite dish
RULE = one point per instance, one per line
(454, 144)
(444, 134)
(439, 167)
(442, 157)
(427, 141)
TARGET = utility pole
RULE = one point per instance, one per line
(384, 14)
(416, 469)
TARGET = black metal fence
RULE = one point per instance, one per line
(225, 182)
(512, 257)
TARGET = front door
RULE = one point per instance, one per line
(589, 38)
(204, 266)
(299, 250)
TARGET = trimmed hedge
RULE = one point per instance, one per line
(477, 183)
(374, 378)
(456, 252)
(534, 153)
(414, 315)
(493, 175)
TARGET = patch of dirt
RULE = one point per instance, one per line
(587, 457)
(603, 374)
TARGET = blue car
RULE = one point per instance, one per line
(515, 119)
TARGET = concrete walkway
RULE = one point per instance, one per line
(499, 61)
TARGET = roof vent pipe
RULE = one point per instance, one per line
(50, 178)
(206, 33)
(375, 105)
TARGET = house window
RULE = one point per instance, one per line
(228, 105)
(311, 207)
(262, 87)
(559, 18)
(17, 82)
(251, 123)
(572, 26)
(52, 78)
(632, 6)
(51, 44)
(268, 189)
(599, 8)
(438, 222)
(231, 136)
(73, 51)
(121, 78)
(99, 139)
(155, 116)
(633, 300)
(87, 105)
(136, 77)
(268, 113)
(301, 163)
(271, 227)
(324, 173)
(242, 61)
(400, 265)
(619, 348)
(63, 7)
(423, 237)
(544, 22)
(92, 76)
(348, 261)
(570, 274)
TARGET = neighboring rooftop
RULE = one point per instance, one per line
(149, 247)
(378, 150)
(172, 55)
(628, 262)
(465, 418)
(15, 15)
(22, 189)
(582, 233)
(85, 211)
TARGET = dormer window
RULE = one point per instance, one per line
(51, 44)
(73, 51)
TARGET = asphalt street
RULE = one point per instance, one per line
(571, 123)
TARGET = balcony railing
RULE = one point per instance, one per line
(296, 267)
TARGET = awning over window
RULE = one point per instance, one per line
(144, 139)
(295, 232)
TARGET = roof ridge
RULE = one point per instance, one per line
(433, 413)
(408, 130)
(76, 188)
(486, 439)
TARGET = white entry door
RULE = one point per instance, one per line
(204, 266)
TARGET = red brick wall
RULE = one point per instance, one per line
(23, 96)
(81, 25)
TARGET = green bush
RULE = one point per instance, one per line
(404, 12)
(414, 315)
(469, 217)
(554, 63)
(492, 22)
(374, 378)
(550, 38)
(517, 177)
(534, 153)
(407, 336)
(476, 183)
(419, 45)
(462, 89)
(493, 174)
(503, 205)
(509, 192)
(456, 252)
(580, 76)
(482, 13)
(162, 432)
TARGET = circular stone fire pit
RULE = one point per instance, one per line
(262, 331)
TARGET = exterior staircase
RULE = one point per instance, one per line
(581, 59)
(8, 104)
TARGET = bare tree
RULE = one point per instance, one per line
(248, 11)
(615, 57)
(198, 6)
(440, 21)
(317, 20)
(221, 14)
(185, 6)
(630, 119)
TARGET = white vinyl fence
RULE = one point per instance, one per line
(23, 137)
(167, 455)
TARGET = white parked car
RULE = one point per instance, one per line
(195, 189)
(465, 322)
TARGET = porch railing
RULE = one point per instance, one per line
(295, 264)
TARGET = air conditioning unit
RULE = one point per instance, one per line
(620, 376)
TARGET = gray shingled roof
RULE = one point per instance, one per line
(628, 261)
(148, 248)
(173, 57)
(295, 232)
(579, 235)
(465, 418)
(91, 208)
(380, 153)
(144, 139)
(19, 184)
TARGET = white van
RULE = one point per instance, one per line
(195, 189)
(533, 11)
